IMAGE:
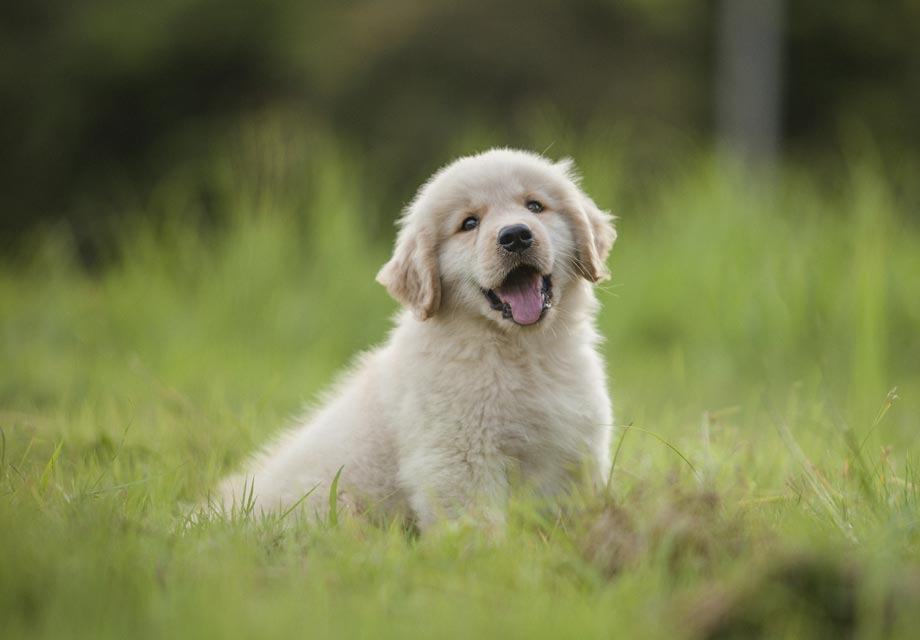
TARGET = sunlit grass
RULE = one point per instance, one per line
(765, 473)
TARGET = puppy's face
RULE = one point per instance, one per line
(503, 235)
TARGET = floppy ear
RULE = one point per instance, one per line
(411, 276)
(594, 237)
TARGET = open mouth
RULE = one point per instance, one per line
(524, 296)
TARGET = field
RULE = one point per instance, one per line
(763, 346)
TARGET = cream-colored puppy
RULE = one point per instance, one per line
(490, 376)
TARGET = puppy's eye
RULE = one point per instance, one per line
(534, 206)
(469, 224)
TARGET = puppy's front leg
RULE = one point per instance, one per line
(460, 489)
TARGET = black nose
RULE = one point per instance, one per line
(515, 238)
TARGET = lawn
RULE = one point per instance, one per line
(763, 345)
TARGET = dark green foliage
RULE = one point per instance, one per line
(104, 100)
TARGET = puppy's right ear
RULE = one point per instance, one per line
(594, 230)
(411, 276)
(595, 235)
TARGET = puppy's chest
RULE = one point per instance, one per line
(514, 407)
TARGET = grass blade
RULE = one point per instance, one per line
(49, 468)
(334, 499)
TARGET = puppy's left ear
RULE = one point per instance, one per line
(594, 237)
(411, 276)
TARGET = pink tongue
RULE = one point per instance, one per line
(524, 296)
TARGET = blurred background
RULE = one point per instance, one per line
(106, 100)
(197, 194)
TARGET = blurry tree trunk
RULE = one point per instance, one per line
(749, 81)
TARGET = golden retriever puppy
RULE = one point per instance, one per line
(491, 374)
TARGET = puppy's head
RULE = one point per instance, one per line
(504, 235)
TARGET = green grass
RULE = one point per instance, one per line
(766, 474)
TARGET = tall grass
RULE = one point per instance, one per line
(755, 332)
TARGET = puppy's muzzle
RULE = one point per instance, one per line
(515, 238)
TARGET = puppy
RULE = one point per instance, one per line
(490, 376)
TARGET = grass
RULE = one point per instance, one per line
(765, 477)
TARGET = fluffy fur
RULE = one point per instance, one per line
(461, 401)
